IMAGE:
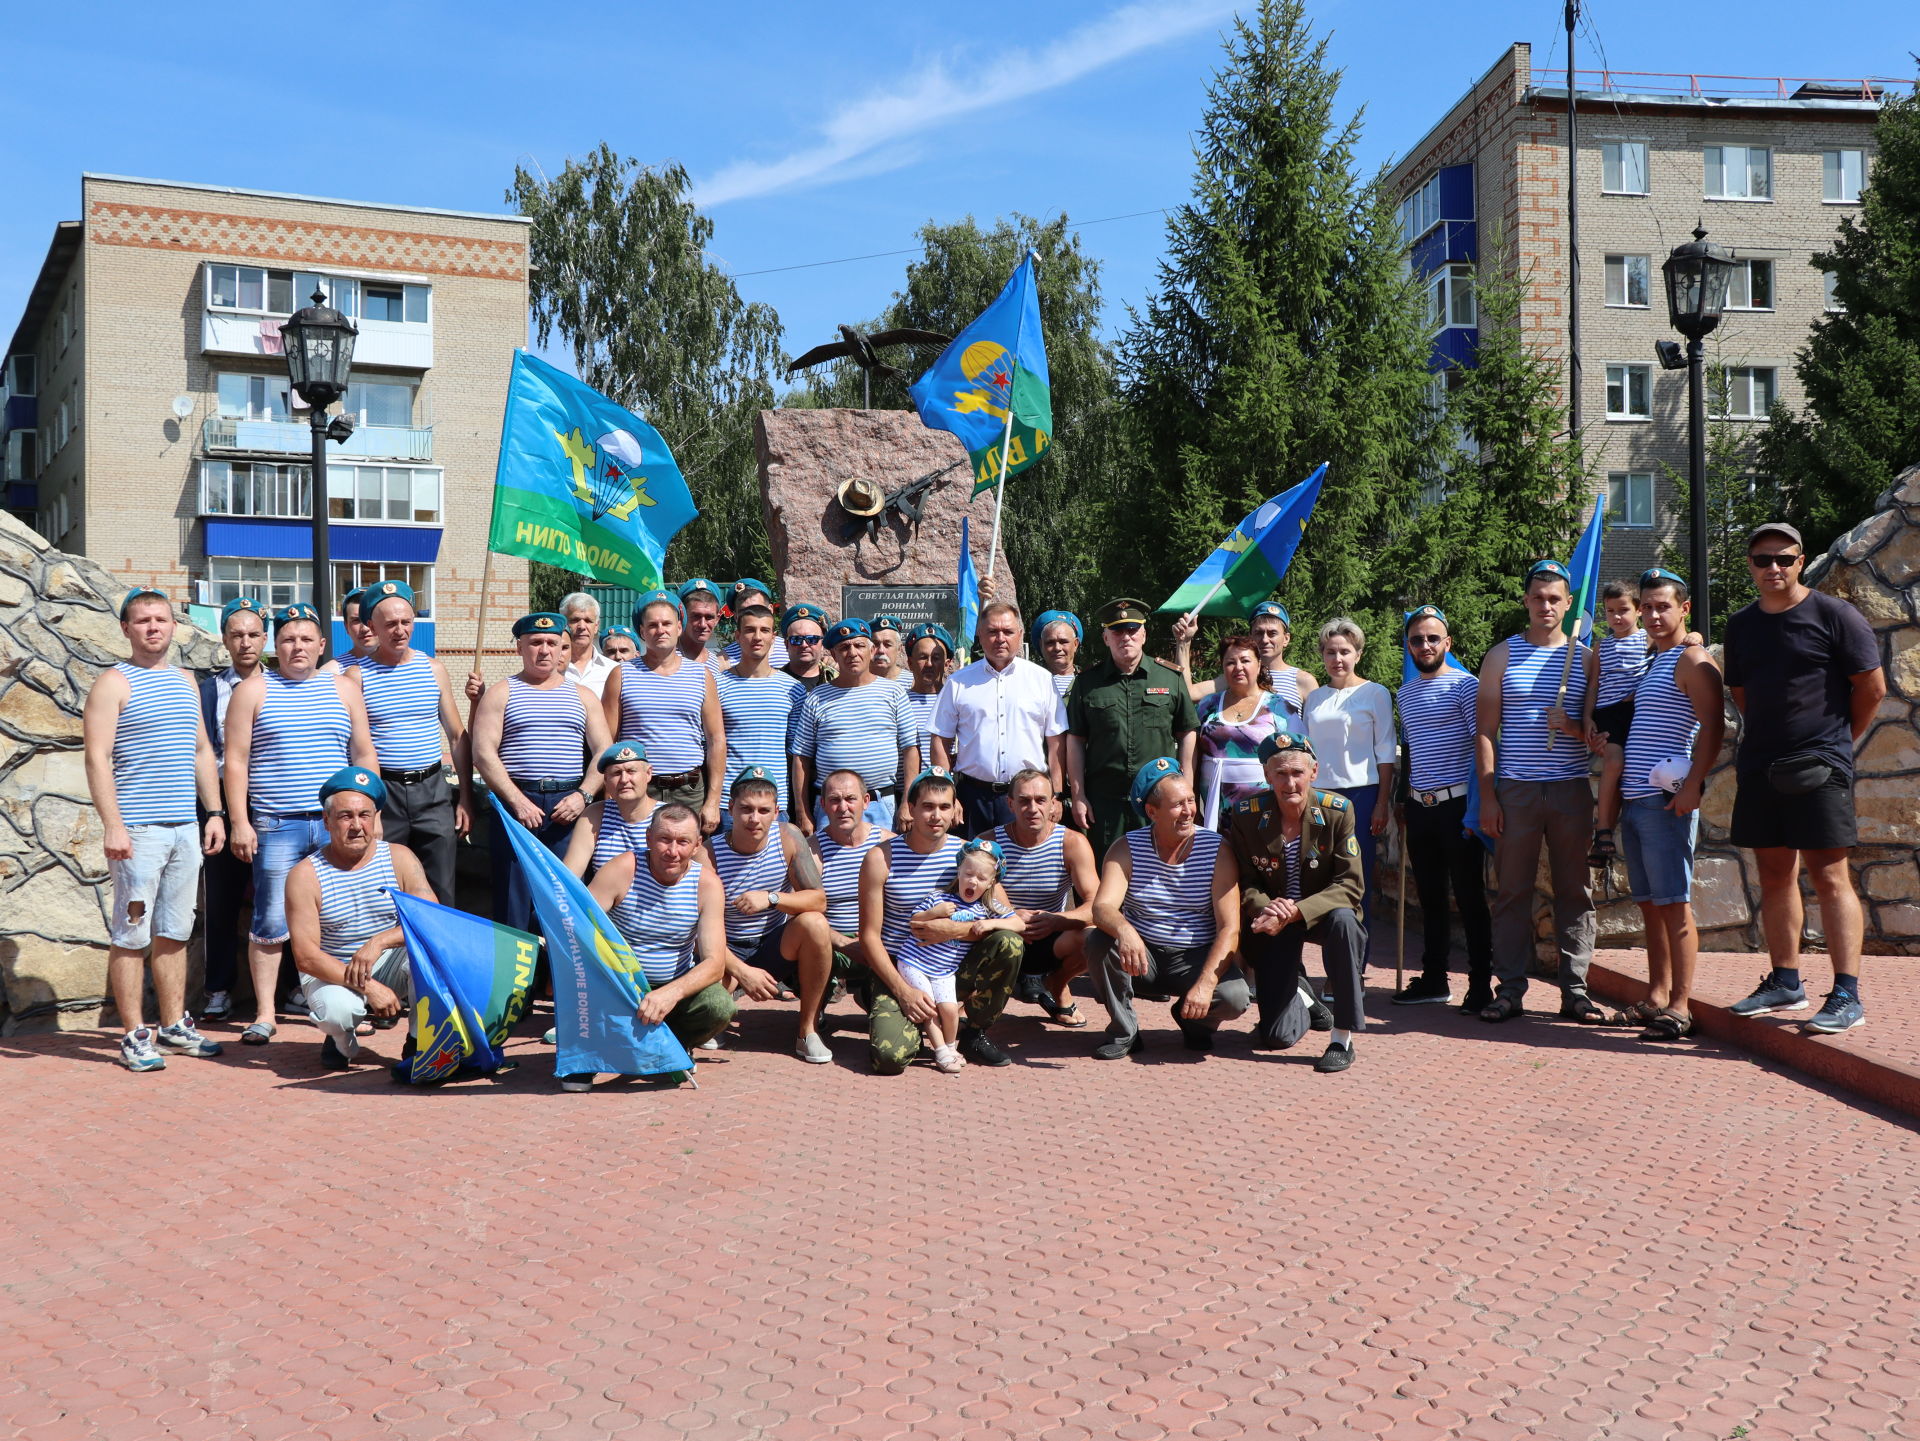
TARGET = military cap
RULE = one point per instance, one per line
(845, 630)
(145, 592)
(613, 630)
(1659, 575)
(1124, 611)
(657, 597)
(541, 622)
(744, 588)
(235, 606)
(373, 595)
(352, 597)
(619, 753)
(802, 610)
(930, 631)
(1281, 742)
(1270, 608)
(1149, 776)
(299, 611)
(362, 780)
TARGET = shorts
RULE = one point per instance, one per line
(941, 988)
(1038, 959)
(1820, 820)
(1659, 850)
(766, 955)
(283, 842)
(1615, 720)
(162, 878)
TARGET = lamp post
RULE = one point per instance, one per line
(319, 345)
(1697, 275)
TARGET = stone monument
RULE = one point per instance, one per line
(904, 561)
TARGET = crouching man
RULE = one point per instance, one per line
(344, 929)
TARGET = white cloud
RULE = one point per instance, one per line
(935, 96)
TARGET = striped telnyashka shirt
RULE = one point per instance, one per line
(1172, 905)
(154, 745)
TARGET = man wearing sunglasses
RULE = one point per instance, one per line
(1804, 670)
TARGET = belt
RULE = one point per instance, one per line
(678, 779)
(410, 778)
(1434, 798)
(998, 788)
(546, 787)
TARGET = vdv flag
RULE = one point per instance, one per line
(1245, 567)
(470, 979)
(1470, 823)
(994, 370)
(597, 981)
(1585, 567)
(583, 483)
(969, 592)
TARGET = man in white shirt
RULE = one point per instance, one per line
(995, 718)
(585, 665)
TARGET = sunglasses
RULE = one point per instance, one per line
(1126, 627)
(805, 639)
(1768, 562)
(1420, 640)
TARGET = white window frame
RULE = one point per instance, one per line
(1632, 485)
(1451, 301)
(274, 583)
(352, 574)
(1745, 193)
(1829, 301)
(1743, 274)
(1621, 145)
(1833, 175)
(271, 490)
(356, 392)
(62, 427)
(1622, 264)
(1626, 370)
(1740, 385)
(260, 391)
(342, 292)
(346, 482)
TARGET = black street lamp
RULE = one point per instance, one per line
(1698, 275)
(319, 345)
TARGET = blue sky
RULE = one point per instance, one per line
(814, 132)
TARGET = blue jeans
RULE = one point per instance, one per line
(283, 842)
(512, 896)
(162, 878)
(1363, 798)
(1659, 849)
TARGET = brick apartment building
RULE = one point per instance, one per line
(1767, 166)
(148, 422)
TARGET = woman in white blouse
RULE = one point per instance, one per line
(1350, 722)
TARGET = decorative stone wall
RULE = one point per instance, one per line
(58, 630)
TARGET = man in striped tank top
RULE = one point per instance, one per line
(776, 910)
(1534, 715)
(147, 759)
(897, 881)
(803, 635)
(532, 734)
(1049, 875)
(840, 846)
(671, 706)
(754, 592)
(617, 822)
(1168, 919)
(1679, 721)
(344, 929)
(415, 727)
(287, 731)
(758, 705)
(700, 605)
(854, 722)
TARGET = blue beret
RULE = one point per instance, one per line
(980, 845)
(1659, 575)
(618, 754)
(802, 610)
(233, 607)
(366, 782)
(752, 773)
(699, 585)
(541, 622)
(1280, 742)
(931, 632)
(1149, 776)
(1056, 617)
(382, 590)
(1550, 567)
(1422, 612)
(302, 611)
(743, 588)
(845, 630)
(145, 592)
(657, 597)
(1272, 608)
(931, 773)
(887, 622)
(613, 630)
(352, 597)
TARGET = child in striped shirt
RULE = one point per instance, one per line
(976, 903)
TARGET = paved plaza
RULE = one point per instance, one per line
(1535, 1230)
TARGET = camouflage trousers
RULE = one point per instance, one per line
(983, 983)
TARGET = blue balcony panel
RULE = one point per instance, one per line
(23, 495)
(293, 540)
(1458, 345)
(1448, 242)
(22, 412)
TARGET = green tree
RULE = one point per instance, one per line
(620, 273)
(1739, 497)
(1284, 332)
(1861, 365)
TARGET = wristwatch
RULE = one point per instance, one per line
(216, 815)
(773, 900)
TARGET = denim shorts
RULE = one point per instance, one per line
(1659, 850)
(162, 878)
(284, 841)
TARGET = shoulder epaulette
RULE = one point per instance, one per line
(1333, 800)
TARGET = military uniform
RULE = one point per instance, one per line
(1124, 721)
(1331, 885)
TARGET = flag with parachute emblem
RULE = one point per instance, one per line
(583, 483)
(990, 385)
(470, 979)
(1244, 568)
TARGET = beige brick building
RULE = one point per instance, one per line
(1767, 166)
(148, 419)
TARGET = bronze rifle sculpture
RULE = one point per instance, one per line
(862, 349)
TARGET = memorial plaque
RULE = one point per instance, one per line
(912, 604)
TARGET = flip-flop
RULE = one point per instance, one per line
(258, 1034)
(1069, 1016)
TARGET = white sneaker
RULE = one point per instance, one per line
(712, 1043)
(218, 1007)
(138, 1053)
(580, 1082)
(811, 1048)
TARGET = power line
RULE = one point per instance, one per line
(912, 250)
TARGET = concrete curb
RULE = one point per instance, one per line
(1839, 1060)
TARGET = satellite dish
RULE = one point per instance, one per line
(183, 406)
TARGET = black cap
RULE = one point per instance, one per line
(1777, 527)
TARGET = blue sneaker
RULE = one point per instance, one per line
(137, 1052)
(1770, 996)
(1841, 1013)
(185, 1038)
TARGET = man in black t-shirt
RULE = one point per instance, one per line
(1804, 672)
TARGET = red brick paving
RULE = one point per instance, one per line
(1535, 1230)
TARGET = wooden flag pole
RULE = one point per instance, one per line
(1000, 490)
(480, 629)
(1566, 675)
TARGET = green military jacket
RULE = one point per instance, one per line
(1124, 721)
(1330, 873)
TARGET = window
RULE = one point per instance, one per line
(1746, 393)
(389, 493)
(1751, 285)
(240, 488)
(250, 287)
(342, 295)
(1420, 211)
(1841, 174)
(1629, 499)
(1739, 172)
(1450, 302)
(274, 583)
(1829, 296)
(253, 397)
(20, 375)
(1627, 280)
(1629, 392)
(381, 302)
(62, 427)
(352, 575)
(372, 402)
(1623, 167)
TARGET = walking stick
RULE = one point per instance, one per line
(1400, 966)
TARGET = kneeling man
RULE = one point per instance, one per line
(343, 927)
(1301, 880)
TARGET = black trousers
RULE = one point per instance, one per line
(1275, 961)
(981, 809)
(419, 816)
(1443, 857)
(226, 881)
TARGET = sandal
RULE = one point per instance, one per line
(1637, 1014)
(258, 1034)
(1603, 852)
(1502, 1008)
(1668, 1026)
(1580, 1007)
(1068, 1015)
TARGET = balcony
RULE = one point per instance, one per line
(398, 345)
(222, 436)
(18, 412)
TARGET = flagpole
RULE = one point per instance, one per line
(1566, 675)
(1000, 491)
(1194, 613)
(480, 626)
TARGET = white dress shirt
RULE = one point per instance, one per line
(593, 675)
(1352, 734)
(999, 720)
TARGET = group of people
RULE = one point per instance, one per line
(839, 805)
